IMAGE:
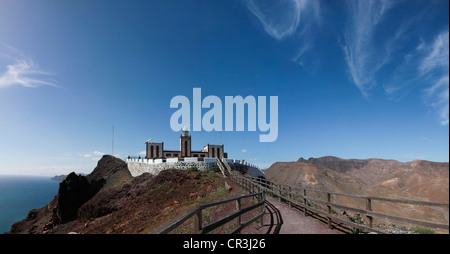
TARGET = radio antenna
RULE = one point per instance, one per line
(112, 152)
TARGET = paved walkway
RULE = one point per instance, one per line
(283, 219)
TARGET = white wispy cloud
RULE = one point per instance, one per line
(369, 47)
(22, 70)
(437, 97)
(94, 156)
(363, 57)
(426, 67)
(289, 19)
(437, 56)
(98, 153)
(435, 70)
(280, 19)
(244, 150)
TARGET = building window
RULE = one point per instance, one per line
(151, 152)
(212, 152)
(157, 151)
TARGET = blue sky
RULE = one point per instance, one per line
(354, 79)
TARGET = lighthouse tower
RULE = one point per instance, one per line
(185, 143)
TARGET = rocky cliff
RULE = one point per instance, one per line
(73, 192)
(110, 200)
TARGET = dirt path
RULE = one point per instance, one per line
(282, 219)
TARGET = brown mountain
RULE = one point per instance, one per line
(418, 179)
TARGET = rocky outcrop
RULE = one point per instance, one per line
(73, 192)
(107, 167)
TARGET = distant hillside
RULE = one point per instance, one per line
(419, 179)
(59, 178)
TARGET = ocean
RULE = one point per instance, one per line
(20, 194)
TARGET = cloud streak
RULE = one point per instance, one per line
(23, 71)
(437, 56)
(94, 156)
(280, 19)
(364, 59)
(435, 69)
(370, 49)
(425, 68)
(295, 19)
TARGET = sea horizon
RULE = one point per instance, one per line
(22, 193)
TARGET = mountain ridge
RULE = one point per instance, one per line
(417, 180)
(366, 174)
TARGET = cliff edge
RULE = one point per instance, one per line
(110, 200)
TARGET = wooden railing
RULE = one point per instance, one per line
(221, 166)
(300, 198)
(197, 215)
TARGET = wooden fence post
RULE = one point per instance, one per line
(198, 221)
(263, 198)
(304, 200)
(329, 210)
(369, 208)
(238, 208)
(271, 189)
(290, 197)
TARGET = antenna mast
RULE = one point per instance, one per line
(112, 153)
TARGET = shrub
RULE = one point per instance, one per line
(421, 230)
(193, 169)
(212, 174)
(358, 220)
